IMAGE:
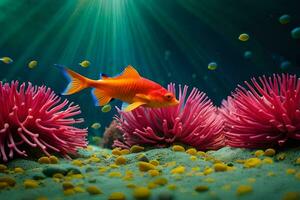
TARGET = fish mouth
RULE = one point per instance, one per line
(176, 102)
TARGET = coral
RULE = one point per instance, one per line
(33, 118)
(266, 114)
(111, 133)
(193, 122)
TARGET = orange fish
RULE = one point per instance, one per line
(128, 87)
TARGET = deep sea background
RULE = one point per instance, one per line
(165, 40)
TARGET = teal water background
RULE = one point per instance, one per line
(165, 40)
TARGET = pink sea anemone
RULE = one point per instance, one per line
(193, 122)
(34, 117)
(266, 114)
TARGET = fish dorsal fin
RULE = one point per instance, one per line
(100, 97)
(129, 72)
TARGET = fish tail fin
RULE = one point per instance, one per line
(76, 83)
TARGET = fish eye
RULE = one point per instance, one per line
(168, 96)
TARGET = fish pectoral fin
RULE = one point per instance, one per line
(143, 97)
(100, 98)
(133, 106)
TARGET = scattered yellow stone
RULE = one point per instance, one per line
(291, 196)
(172, 187)
(3, 185)
(93, 190)
(44, 160)
(67, 185)
(201, 188)
(268, 160)
(154, 162)
(298, 161)
(3, 168)
(58, 175)
(120, 160)
(193, 158)
(102, 170)
(78, 189)
(178, 170)
(9, 180)
(116, 152)
(30, 184)
(244, 189)
(153, 172)
(269, 152)
(136, 149)
(252, 162)
(144, 166)
(160, 181)
(192, 151)
(113, 166)
(78, 163)
(201, 153)
(195, 169)
(281, 156)
(77, 176)
(259, 153)
(240, 161)
(69, 192)
(290, 171)
(208, 171)
(152, 185)
(131, 185)
(220, 167)
(178, 148)
(117, 196)
(115, 174)
(53, 159)
(19, 170)
(94, 159)
(125, 151)
(141, 193)
(251, 180)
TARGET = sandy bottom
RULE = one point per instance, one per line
(179, 175)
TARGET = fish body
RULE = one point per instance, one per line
(128, 87)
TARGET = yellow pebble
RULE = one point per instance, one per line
(268, 160)
(117, 196)
(19, 170)
(113, 166)
(120, 160)
(244, 189)
(154, 162)
(94, 159)
(125, 151)
(172, 187)
(116, 152)
(192, 151)
(3, 168)
(220, 167)
(201, 153)
(44, 160)
(178, 148)
(298, 161)
(281, 156)
(131, 185)
(9, 180)
(290, 171)
(53, 159)
(269, 152)
(93, 190)
(69, 192)
(115, 174)
(58, 175)
(252, 162)
(78, 189)
(193, 158)
(67, 185)
(3, 185)
(153, 172)
(30, 184)
(136, 149)
(291, 196)
(244, 37)
(141, 193)
(144, 166)
(77, 176)
(201, 188)
(152, 185)
(160, 181)
(78, 163)
(208, 171)
(259, 153)
(178, 170)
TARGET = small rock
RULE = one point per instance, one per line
(93, 190)
(67, 185)
(142, 158)
(117, 196)
(141, 193)
(29, 184)
(144, 166)
(9, 180)
(44, 160)
(178, 148)
(50, 171)
(3, 168)
(269, 152)
(201, 188)
(120, 160)
(53, 159)
(244, 189)
(136, 149)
